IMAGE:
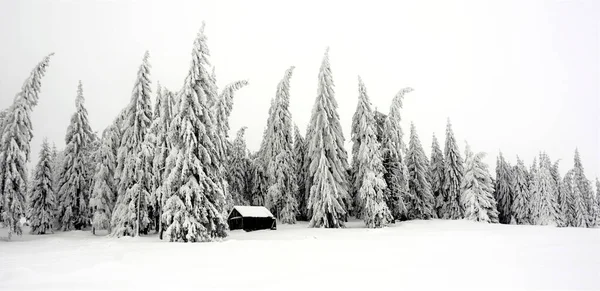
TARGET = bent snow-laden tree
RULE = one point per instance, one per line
(74, 182)
(393, 148)
(369, 165)
(193, 210)
(279, 157)
(104, 191)
(453, 173)
(131, 214)
(420, 202)
(42, 201)
(17, 132)
(326, 157)
(477, 189)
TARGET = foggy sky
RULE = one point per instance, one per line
(516, 76)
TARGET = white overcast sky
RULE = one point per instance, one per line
(516, 76)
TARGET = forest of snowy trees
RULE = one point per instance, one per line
(173, 169)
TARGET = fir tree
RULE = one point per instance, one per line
(545, 211)
(421, 201)
(393, 147)
(278, 155)
(576, 209)
(520, 204)
(477, 189)
(436, 169)
(259, 181)
(42, 200)
(326, 158)
(503, 189)
(131, 214)
(585, 188)
(453, 173)
(370, 168)
(194, 196)
(104, 190)
(74, 186)
(560, 195)
(380, 119)
(17, 132)
(238, 169)
(299, 157)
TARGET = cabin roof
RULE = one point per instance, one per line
(253, 211)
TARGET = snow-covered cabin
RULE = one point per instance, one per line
(251, 218)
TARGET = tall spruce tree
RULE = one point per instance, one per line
(299, 157)
(327, 159)
(585, 188)
(503, 189)
(393, 148)
(259, 180)
(477, 189)
(42, 200)
(545, 210)
(520, 204)
(279, 156)
(453, 173)
(238, 169)
(369, 165)
(576, 209)
(421, 201)
(560, 195)
(195, 198)
(17, 132)
(74, 182)
(104, 189)
(131, 214)
(436, 169)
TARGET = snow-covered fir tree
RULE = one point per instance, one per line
(42, 201)
(369, 165)
(279, 157)
(299, 157)
(222, 108)
(503, 189)
(393, 148)
(576, 209)
(545, 211)
(159, 130)
(379, 125)
(17, 132)
(477, 189)
(195, 198)
(436, 170)
(74, 182)
(131, 214)
(326, 157)
(453, 173)
(520, 204)
(560, 194)
(585, 187)
(102, 200)
(421, 201)
(259, 180)
(237, 173)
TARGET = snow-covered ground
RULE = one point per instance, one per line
(416, 255)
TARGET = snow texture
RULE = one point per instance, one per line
(435, 255)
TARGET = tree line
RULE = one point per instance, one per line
(173, 169)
